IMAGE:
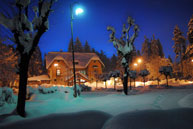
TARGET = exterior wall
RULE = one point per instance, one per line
(94, 68)
(64, 72)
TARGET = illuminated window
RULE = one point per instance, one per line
(58, 72)
(55, 65)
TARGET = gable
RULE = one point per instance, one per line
(83, 59)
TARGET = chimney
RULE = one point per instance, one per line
(61, 50)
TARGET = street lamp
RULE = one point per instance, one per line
(77, 12)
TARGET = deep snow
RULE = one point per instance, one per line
(111, 102)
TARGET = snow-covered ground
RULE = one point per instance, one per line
(113, 103)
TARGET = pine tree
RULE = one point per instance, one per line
(154, 47)
(190, 30)
(146, 50)
(36, 65)
(78, 46)
(113, 62)
(70, 46)
(170, 59)
(87, 47)
(179, 45)
(161, 52)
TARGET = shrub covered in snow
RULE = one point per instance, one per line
(30, 92)
(6, 96)
(47, 90)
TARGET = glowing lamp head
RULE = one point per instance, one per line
(192, 60)
(135, 64)
(79, 11)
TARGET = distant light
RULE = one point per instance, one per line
(55, 65)
(79, 11)
(139, 61)
(192, 60)
(135, 64)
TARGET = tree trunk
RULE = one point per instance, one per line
(134, 82)
(144, 81)
(23, 75)
(130, 85)
(167, 81)
(114, 84)
(106, 84)
(125, 81)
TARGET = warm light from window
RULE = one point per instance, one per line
(55, 65)
(58, 72)
(192, 60)
(135, 64)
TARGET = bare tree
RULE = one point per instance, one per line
(26, 37)
(144, 73)
(125, 46)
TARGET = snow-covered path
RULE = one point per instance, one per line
(113, 103)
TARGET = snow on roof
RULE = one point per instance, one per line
(39, 78)
(82, 58)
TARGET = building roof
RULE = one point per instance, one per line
(83, 59)
(39, 78)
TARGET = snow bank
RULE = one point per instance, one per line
(187, 101)
(6, 96)
(80, 120)
(153, 119)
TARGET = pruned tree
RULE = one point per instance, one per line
(114, 74)
(27, 34)
(167, 71)
(132, 75)
(144, 73)
(105, 77)
(125, 46)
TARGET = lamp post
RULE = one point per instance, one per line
(78, 11)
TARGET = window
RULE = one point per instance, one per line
(94, 61)
(83, 72)
(58, 72)
(95, 66)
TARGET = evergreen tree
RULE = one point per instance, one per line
(70, 46)
(154, 47)
(113, 62)
(179, 42)
(190, 30)
(179, 45)
(161, 52)
(78, 46)
(146, 51)
(87, 47)
(35, 65)
(8, 61)
(170, 59)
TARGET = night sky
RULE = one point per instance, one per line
(157, 17)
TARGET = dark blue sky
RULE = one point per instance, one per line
(157, 17)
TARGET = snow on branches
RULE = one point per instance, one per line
(24, 30)
(124, 46)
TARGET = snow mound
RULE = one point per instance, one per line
(187, 101)
(80, 120)
(153, 119)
